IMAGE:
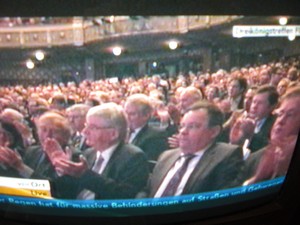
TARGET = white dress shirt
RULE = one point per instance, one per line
(259, 124)
(191, 166)
(134, 134)
(106, 155)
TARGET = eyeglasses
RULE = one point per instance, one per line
(191, 126)
(94, 127)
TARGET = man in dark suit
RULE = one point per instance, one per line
(76, 115)
(151, 140)
(111, 169)
(273, 160)
(264, 102)
(211, 166)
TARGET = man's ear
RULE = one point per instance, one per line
(147, 115)
(115, 134)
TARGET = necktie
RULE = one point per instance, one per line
(97, 165)
(87, 194)
(175, 180)
(130, 135)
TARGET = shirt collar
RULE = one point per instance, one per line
(107, 153)
(199, 152)
(136, 130)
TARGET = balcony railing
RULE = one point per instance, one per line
(81, 31)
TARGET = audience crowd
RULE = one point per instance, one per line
(153, 136)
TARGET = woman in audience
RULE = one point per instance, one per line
(10, 138)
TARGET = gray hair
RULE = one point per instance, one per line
(112, 114)
(142, 101)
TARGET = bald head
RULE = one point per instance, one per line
(188, 97)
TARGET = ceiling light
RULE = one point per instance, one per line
(29, 64)
(292, 37)
(39, 55)
(111, 19)
(283, 21)
(173, 45)
(117, 51)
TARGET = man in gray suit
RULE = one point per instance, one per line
(111, 169)
(211, 166)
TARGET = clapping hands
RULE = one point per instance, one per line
(173, 141)
(74, 169)
(10, 158)
(61, 159)
(54, 151)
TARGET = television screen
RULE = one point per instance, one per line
(149, 119)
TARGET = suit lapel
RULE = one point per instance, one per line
(90, 155)
(112, 160)
(201, 169)
(163, 169)
(137, 139)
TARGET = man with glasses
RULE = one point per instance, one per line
(110, 169)
(76, 115)
(207, 165)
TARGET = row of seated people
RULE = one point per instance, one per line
(103, 152)
(112, 166)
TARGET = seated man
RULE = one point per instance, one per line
(264, 102)
(110, 169)
(273, 160)
(199, 164)
(151, 140)
(236, 90)
(187, 98)
(76, 115)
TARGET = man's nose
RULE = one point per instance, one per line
(183, 130)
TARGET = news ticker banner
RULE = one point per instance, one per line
(241, 31)
(25, 187)
(205, 197)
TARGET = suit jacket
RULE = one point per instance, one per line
(250, 165)
(37, 160)
(125, 174)
(152, 141)
(8, 172)
(261, 139)
(217, 169)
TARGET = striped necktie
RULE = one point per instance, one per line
(87, 194)
(175, 180)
